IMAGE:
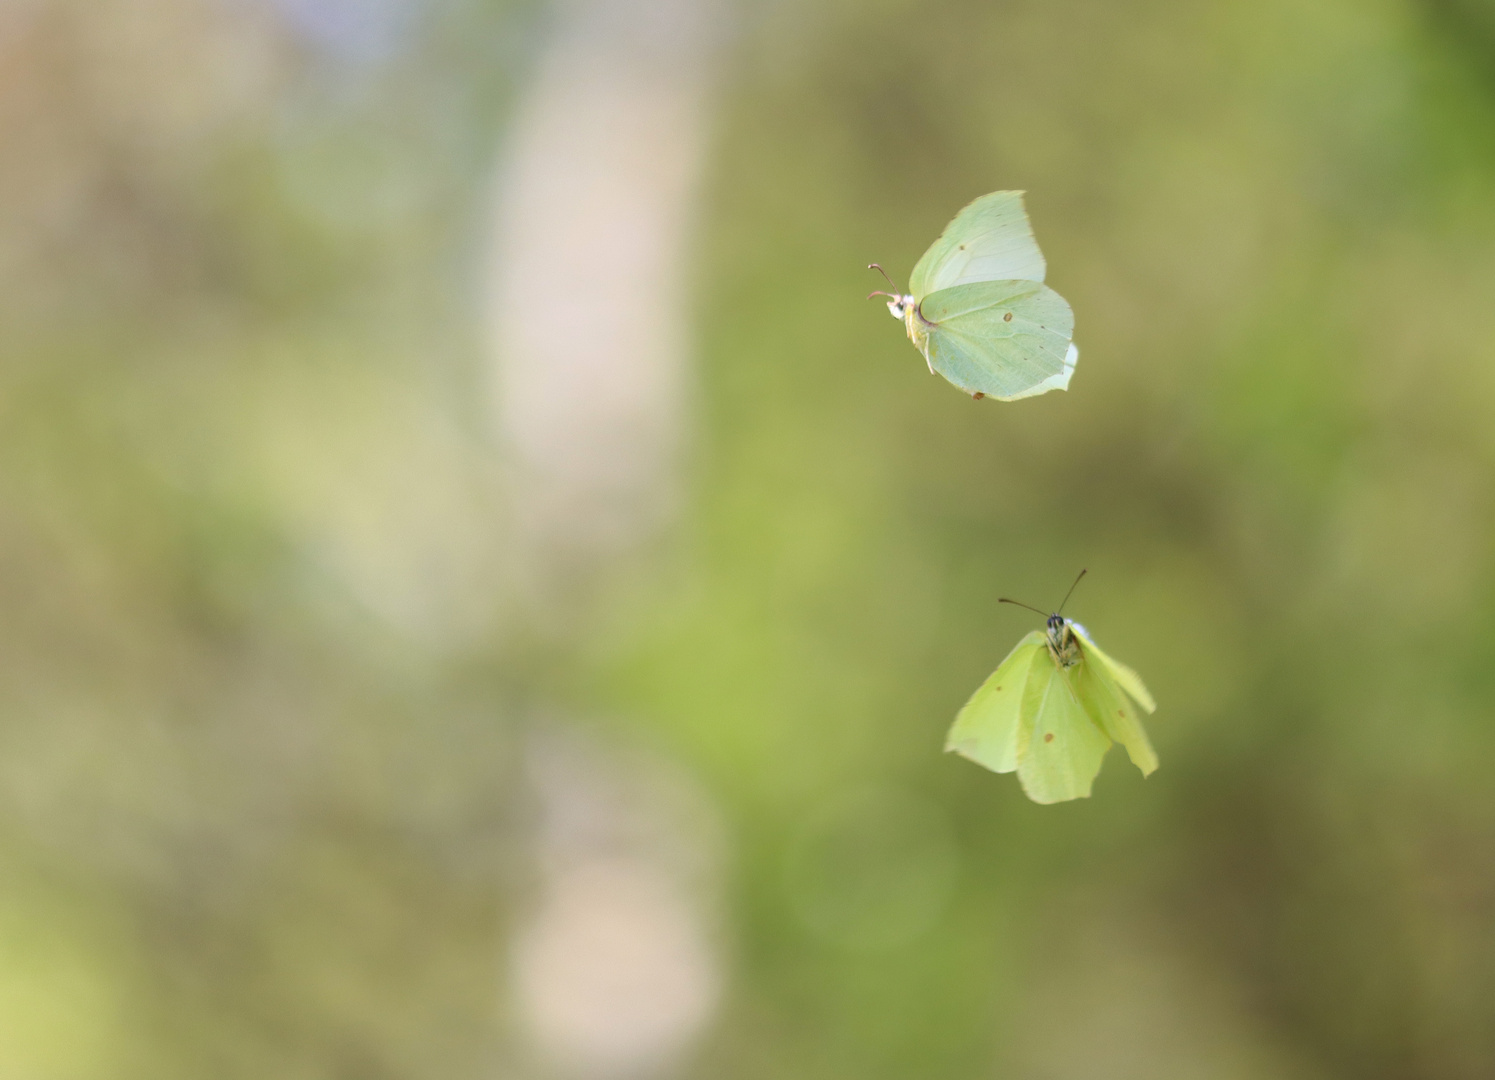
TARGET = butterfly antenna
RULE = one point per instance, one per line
(1019, 603)
(1071, 592)
(884, 273)
(879, 292)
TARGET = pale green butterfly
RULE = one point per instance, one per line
(1051, 710)
(978, 309)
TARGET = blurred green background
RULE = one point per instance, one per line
(481, 594)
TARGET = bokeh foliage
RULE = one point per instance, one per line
(260, 682)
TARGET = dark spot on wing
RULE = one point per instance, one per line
(1049, 737)
(1121, 713)
(1007, 317)
(977, 396)
(999, 688)
(962, 247)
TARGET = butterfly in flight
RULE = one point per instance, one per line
(1051, 711)
(977, 307)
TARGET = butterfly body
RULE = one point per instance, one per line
(906, 308)
(977, 308)
(1051, 711)
(1064, 645)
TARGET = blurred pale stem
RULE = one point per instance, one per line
(612, 974)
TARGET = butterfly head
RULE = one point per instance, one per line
(1063, 642)
(899, 306)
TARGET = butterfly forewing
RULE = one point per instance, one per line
(986, 730)
(1059, 747)
(989, 240)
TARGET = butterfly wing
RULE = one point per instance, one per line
(1055, 382)
(1004, 339)
(986, 730)
(1124, 676)
(1060, 747)
(990, 240)
(1103, 699)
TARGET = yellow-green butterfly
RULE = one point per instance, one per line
(977, 307)
(1051, 710)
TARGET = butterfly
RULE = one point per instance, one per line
(977, 307)
(1051, 710)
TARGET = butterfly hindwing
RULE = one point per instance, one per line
(989, 240)
(1004, 339)
(986, 730)
(1054, 382)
